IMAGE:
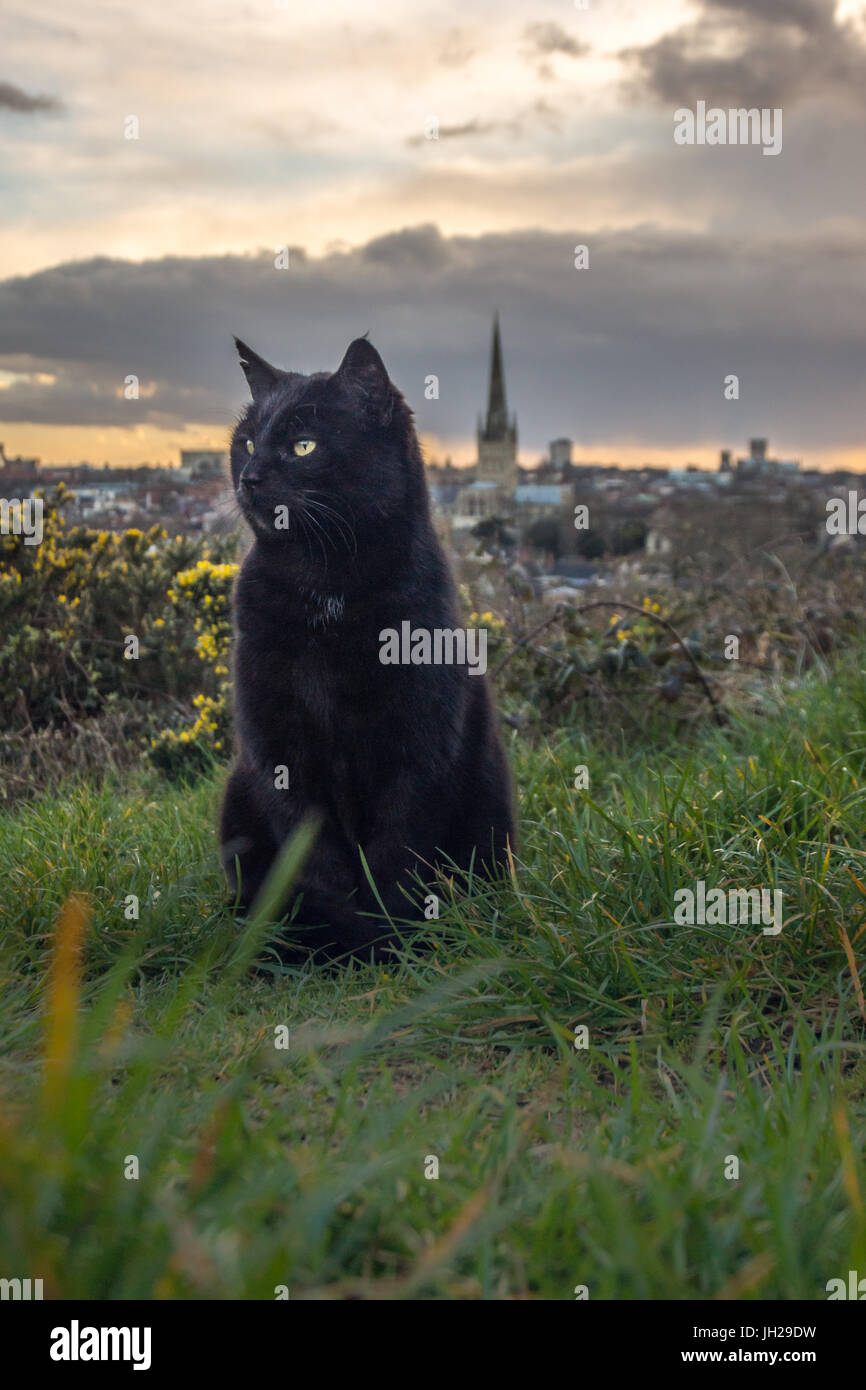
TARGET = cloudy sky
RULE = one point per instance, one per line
(307, 126)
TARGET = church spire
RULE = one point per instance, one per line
(497, 412)
(497, 435)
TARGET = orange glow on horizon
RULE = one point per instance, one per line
(54, 445)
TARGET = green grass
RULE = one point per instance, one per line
(558, 1167)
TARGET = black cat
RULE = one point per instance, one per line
(403, 760)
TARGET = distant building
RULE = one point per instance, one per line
(496, 486)
(560, 454)
(18, 467)
(200, 465)
(691, 477)
(445, 498)
(657, 543)
(497, 434)
(757, 464)
(536, 500)
(446, 475)
(481, 500)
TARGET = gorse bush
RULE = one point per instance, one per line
(201, 600)
(96, 623)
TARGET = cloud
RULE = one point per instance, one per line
(458, 132)
(414, 250)
(12, 98)
(764, 53)
(539, 114)
(547, 37)
(457, 49)
(812, 16)
(636, 347)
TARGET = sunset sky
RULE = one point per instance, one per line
(261, 126)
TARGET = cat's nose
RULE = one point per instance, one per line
(250, 479)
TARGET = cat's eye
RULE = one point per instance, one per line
(304, 446)
(251, 448)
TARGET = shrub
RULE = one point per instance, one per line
(93, 623)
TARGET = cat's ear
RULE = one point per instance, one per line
(260, 375)
(364, 379)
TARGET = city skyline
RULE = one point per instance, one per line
(263, 127)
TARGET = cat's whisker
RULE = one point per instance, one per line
(346, 537)
(303, 530)
(304, 517)
(310, 508)
(307, 536)
(343, 526)
(313, 492)
(321, 532)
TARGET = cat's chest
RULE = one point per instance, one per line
(323, 612)
(312, 670)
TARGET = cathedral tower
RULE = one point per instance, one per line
(497, 435)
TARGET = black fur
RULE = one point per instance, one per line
(402, 760)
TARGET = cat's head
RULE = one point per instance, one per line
(323, 462)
